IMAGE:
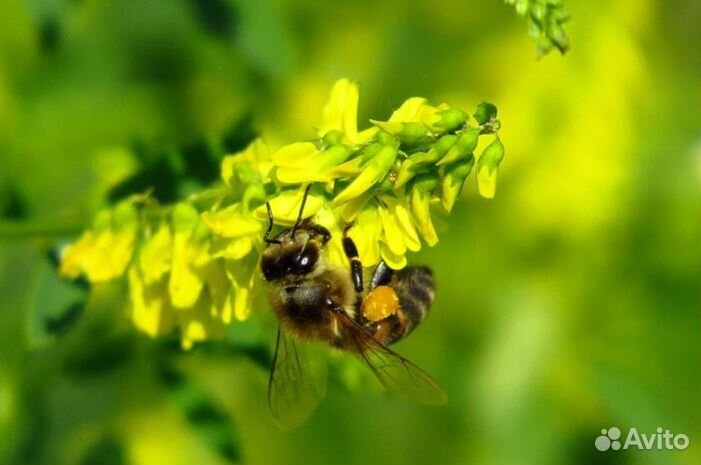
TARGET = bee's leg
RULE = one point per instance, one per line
(381, 276)
(352, 253)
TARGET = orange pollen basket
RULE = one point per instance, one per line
(380, 303)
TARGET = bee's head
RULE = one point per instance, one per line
(293, 252)
(296, 250)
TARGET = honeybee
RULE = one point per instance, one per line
(315, 301)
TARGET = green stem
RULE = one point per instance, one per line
(18, 230)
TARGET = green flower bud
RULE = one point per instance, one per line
(406, 133)
(485, 112)
(412, 133)
(454, 179)
(443, 144)
(333, 137)
(375, 169)
(463, 147)
(487, 167)
(451, 119)
(420, 161)
(253, 193)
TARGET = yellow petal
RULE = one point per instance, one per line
(487, 168)
(190, 247)
(185, 282)
(198, 324)
(256, 154)
(319, 167)
(327, 218)
(394, 261)
(104, 253)
(72, 255)
(294, 155)
(420, 208)
(241, 274)
(149, 308)
(341, 110)
(393, 234)
(233, 249)
(349, 168)
(399, 210)
(409, 110)
(155, 255)
(487, 182)
(231, 222)
(242, 306)
(366, 232)
(286, 206)
(219, 288)
(430, 116)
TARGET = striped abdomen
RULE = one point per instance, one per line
(415, 290)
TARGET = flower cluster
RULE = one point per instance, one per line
(546, 23)
(193, 265)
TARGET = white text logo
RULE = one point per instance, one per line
(662, 439)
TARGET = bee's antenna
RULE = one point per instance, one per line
(270, 226)
(301, 210)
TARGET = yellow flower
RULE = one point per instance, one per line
(231, 222)
(220, 291)
(156, 254)
(487, 168)
(253, 164)
(303, 162)
(149, 305)
(103, 253)
(242, 277)
(341, 114)
(190, 256)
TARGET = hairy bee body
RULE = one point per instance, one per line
(317, 301)
(308, 294)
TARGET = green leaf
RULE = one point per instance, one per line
(55, 306)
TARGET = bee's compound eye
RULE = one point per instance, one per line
(306, 260)
(271, 269)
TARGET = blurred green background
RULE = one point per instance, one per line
(568, 304)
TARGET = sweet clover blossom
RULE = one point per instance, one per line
(194, 265)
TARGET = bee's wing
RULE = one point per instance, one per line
(297, 382)
(395, 372)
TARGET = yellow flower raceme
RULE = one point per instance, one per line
(194, 266)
